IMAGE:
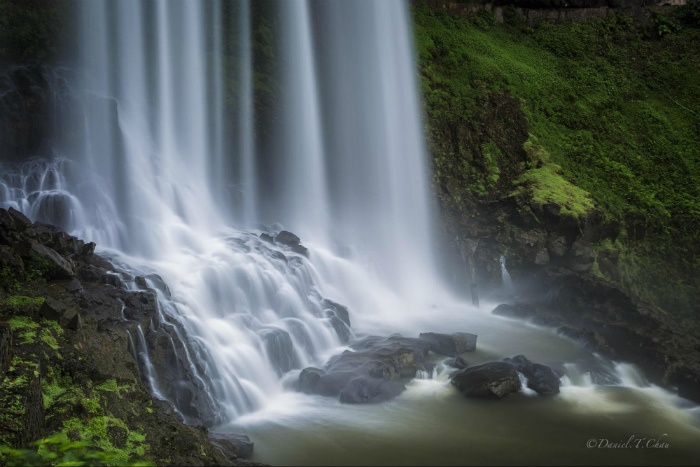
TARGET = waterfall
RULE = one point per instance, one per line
(172, 176)
(506, 282)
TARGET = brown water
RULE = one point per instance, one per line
(431, 423)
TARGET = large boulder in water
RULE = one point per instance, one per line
(540, 378)
(490, 380)
(370, 390)
(373, 371)
(450, 345)
(287, 238)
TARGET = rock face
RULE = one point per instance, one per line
(540, 378)
(610, 321)
(489, 380)
(61, 301)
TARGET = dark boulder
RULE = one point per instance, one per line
(331, 384)
(266, 237)
(540, 378)
(372, 372)
(287, 238)
(490, 380)
(370, 390)
(57, 266)
(449, 344)
(300, 249)
(233, 445)
(309, 379)
(336, 308)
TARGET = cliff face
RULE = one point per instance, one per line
(572, 151)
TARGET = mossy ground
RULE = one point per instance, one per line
(614, 105)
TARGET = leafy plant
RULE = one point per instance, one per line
(58, 450)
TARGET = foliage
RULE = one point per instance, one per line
(58, 450)
(21, 301)
(690, 13)
(32, 29)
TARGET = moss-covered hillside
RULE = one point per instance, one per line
(600, 116)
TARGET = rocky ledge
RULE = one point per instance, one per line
(612, 322)
(70, 360)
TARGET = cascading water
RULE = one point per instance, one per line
(151, 181)
(172, 159)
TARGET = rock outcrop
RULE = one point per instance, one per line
(610, 321)
(71, 354)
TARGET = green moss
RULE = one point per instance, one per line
(51, 392)
(96, 431)
(111, 386)
(544, 182)
(22, 301)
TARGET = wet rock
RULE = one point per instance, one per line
(73, 321)
(10, 259)
(363, 374)
(59, 267)
(153, 281)
(365, 390)
(557, 246)
(582, 256)
(266, 237)
(489, 380)
(233, 445)
(450, 344)
(21, 222)
(280, 350)
(337, 309)
(457, 362)
(309, 379)
(542, 257)
(287, 238)
(341, 329)
(540, 378)
(331, 384)
(52, 309)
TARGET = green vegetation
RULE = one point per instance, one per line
(59, 450)
(32, 29)
(545, 184)
(613, 105)
(22, 301)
